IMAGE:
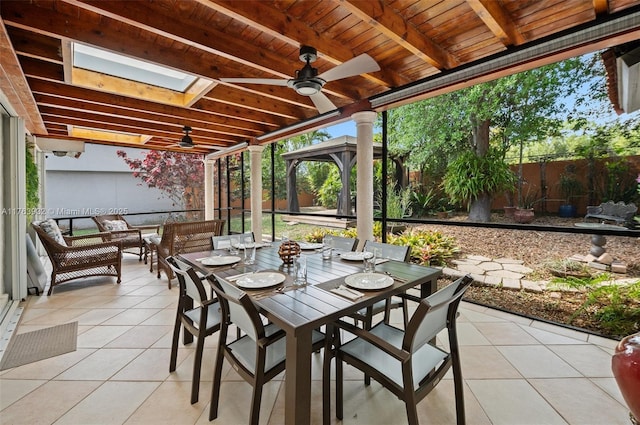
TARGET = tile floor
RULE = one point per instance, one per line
(517, 371)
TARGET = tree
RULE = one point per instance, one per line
(179, 176)
(485, 119)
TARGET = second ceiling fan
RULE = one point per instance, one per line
(308, 82)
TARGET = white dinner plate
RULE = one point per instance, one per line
(257, 244)
(368, 281)
(220, 260)
(261, 280)
(355, 256)
(309, 245)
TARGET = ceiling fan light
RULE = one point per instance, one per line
(308, 87)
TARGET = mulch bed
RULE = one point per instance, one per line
(537, 249)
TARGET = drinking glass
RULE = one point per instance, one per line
(327, 248)
(300, 270)
(370, 260)
(234, 242)
(249, 250)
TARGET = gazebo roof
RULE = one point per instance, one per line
(322, 151)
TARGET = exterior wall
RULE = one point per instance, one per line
(96, 183)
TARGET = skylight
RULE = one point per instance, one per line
(109, 63)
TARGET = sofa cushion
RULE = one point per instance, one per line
(115, 225)
(51, 228)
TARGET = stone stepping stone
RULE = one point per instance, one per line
(479, 258)
(470, 268)
(505, 274)
(518, 268)
(508, 261)
(490, 265)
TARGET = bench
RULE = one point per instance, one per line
(180, 238)
(619, 212)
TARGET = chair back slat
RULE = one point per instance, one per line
(342, 243)
(221, 242)
(239, 307)
(434, 314)
(189, 281)
(392, 252)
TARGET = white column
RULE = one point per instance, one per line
(256, 190)
(364, 157)
(209, 188)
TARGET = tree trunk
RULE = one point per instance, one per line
(480, 208)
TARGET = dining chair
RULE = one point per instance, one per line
(341, 243)
(258, 355)
(221, 242)
(198, 314)
(407, 362)
(391, 252)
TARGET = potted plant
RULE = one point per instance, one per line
(570, 188)
(525, 212)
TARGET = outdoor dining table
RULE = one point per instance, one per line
(298, 310)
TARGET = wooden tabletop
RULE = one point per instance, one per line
(300, 309)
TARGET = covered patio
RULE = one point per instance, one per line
(516, 370)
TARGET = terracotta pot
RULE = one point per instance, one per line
(523, 215)
(625, 364)
(508, 211)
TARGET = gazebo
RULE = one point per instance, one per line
(340, 150)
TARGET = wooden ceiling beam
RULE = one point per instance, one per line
(14, 86)
(498, 21)
(279, 25)
(65, 90)
(142, 116)
(101, 31)
(392, 25)
(128, 125)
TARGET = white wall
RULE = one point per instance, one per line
(99, 182)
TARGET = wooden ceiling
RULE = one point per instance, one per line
(423, 47)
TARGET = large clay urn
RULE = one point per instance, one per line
(626, 369)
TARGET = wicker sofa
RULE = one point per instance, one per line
(74, 257)
(178, 238)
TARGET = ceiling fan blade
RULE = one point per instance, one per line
(361, 64)
(269, 81)
(322, 102)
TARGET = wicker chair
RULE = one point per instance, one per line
(179, 238)
(128, 235)
(74, 257)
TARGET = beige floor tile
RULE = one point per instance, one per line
(99, 336)
(48, 368)
(54, 317)
(546, 337)
(159, 301)
(94, 301)
(235, 403)
(126, 301)
(537, 361)
(111, 403)
(13, 390)
(151, 365)
(148, 290)
(101, 365)
(166, 316)
(97, 316)
(580, 401)
(560, 330)
(170, 404)
(505, 333)
(139, 337)
(469, 314)
(589, 360)
(132, 316)
(510, 402)
(610, 386)
(468, 334)
(480, 362)
(184, 368)
(48, 402)
(606, 343)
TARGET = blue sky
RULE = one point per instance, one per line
(347, 128)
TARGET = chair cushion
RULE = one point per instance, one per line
(51, 228)
(245, 349)
(423, 360)
(115, 225)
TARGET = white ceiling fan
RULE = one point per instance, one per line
(307, 82)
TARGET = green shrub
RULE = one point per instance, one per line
(428, 247)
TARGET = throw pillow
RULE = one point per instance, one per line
(115, 225)
(51, 228)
